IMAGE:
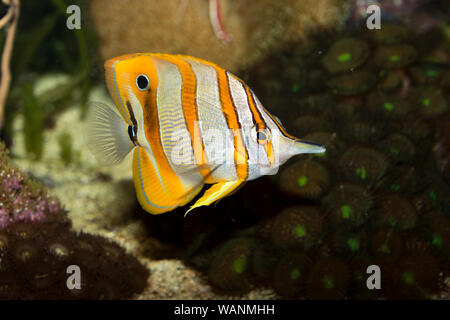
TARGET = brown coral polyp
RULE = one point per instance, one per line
(347, 206)
(290, 275)
(345, 54)
(230, 270)
(298, 226)
(387, 105)
(307, 179)
(348, 243)
(414, 276)
(398, 147)
(354, 83)
(329, 279)
(394, 56)
(394, 211)
(430, 102)
(404, 178)
(386, 244)
(363, 165)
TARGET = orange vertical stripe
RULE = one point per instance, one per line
(229, 110)
(172, 182)
(188, 98)
(259, 121)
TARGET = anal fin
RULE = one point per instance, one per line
(216, 192)
(158, 188)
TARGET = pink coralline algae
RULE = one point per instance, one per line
(19, 200)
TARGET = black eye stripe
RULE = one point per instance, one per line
(142, 82)
(130, 110)
(131, 134)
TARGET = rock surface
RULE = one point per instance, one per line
(183, 26)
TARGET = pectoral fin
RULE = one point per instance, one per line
(216, 192)
(107, 134)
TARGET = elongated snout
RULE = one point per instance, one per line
(288, 148)
(303, 146)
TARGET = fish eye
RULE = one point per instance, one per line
(262, 136)
(142, 82)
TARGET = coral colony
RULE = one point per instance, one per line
(37, 245)
(379, 196)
